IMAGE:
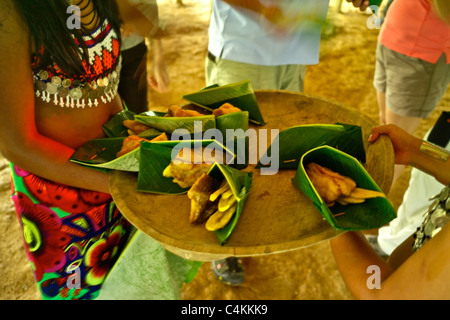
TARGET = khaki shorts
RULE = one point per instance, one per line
(413, 87)
(285, 77)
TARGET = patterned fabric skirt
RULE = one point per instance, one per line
(72, 236)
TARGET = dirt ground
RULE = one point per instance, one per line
(344, 74)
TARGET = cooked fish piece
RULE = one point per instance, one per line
(324, 184)
(135, 127)
(132, 142)
(345, 184)
(185, 170)
(129, 144)
(333, 187)
(161, 137)
(225, 109)
(360, 193)
(199, 193)
(176, 111)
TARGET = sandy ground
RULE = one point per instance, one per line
(344, 74)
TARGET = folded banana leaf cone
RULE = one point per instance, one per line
(372, 212)
(233, 128)
(239, 94)
(115, 128)
(102, 154)
(240, 183)
(156, 159)
(292, 143)
(184, 125)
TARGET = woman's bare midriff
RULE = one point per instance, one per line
(74, 126)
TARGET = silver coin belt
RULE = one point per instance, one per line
(65, 92)
(436, 217)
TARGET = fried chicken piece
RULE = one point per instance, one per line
(225, 109)
(135, 127)
(176, 111)
(199, 193)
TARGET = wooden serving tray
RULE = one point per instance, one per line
(277, 216)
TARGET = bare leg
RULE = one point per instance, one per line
(381, 97)
(408, 124)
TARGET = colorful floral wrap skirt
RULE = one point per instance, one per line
(72, 236)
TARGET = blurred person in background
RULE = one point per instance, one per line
(134, 81)
(270, 43)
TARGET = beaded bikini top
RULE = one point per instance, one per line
(100, 80)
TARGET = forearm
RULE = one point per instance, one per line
(157, 50)
(429, 162)
(410, 150)
(51, 160)
(354, 256)
(138, 22)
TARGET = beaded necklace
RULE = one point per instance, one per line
(100, 79)
(436, 217)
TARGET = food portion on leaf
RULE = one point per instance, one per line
(226, 208)
(176, 111)
(187, 167)
(239, 94)
(133, 142)
(135, 127)
(334, 187)
(226, 108)
(199, 193)
(211, 201)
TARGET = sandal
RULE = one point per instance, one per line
(229, 271)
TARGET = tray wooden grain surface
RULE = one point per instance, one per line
(277, 216)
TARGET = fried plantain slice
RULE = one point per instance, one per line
(219, 219)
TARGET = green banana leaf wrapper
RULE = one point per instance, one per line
(114, 127)
(240, 183)
(233, 127)
(372, 213)
(239, 94)
(102, 154)
(156, 156)
(296, 141)
(170, 124)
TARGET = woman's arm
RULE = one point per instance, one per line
(408, 151)
(424, 275)
(355, 258)
(137, 22)
(20, 141)
(160, 80)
